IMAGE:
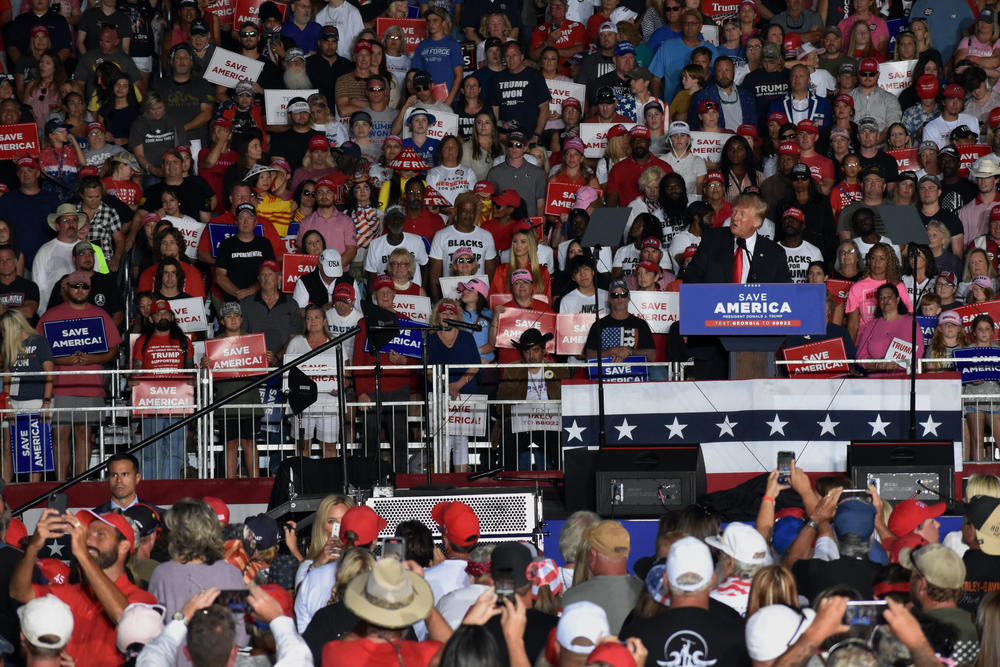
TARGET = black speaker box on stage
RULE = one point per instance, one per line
(320, 476)
(644, 482)
(903, 469)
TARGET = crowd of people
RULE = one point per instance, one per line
(406, 163)
(822, 575)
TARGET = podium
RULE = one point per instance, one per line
(752, 320)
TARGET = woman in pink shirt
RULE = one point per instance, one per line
(889, 333)
(864, 10)
(881, 268)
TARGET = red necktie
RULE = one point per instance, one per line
(738, 265)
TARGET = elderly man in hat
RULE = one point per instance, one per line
(975, 215)
(101, 543)
(55, 258)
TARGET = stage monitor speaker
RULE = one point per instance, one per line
(647, 482)
(306, 476)
(904, 469)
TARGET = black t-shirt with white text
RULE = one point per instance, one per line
(519, 96)
(242, 259)
(982, 575)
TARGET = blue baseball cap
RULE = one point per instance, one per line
(624, 48)
(855, 517)
(786, 529)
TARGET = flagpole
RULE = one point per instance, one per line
(913, 248)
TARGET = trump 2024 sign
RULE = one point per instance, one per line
(780, 309)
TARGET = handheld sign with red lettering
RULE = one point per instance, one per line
(18, 140)
(719, 9)
(191, 230)
(968, 155)
(559, 91)
(413, 308)
(838, 289)
(969, 312)
(414, 31)
(906, 159)
(561, 198)
(236, 357)
(708, 145)
(822, 359)
(900, 351)
(467, 415)
(595, 137)
(514, 322)
(322, 369)
(190, 314)
(248, 10)
(276, 103)
(227, 68)
(895, 76)
(659, 309)
(165, 397)
(571, 332)
(294, 267)
(224, 10)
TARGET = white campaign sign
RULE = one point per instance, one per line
(449, 284)
(414, 308)
(227, 68)
(444, 123)
(467, 415)
(527, 417)
(322, 369)
(659, 309)
(708, 145)
(560, 90)
(595, 137)
(191, 230)
(190, 314)
(895, 76)
(275, 102)
(899, 350)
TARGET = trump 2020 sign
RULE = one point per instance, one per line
(779, 309)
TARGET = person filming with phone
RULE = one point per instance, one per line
(101, 544)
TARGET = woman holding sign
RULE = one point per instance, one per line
(889, 335)
(452, 346)
(977, 410)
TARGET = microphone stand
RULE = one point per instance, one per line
(911, 250)
(602, 434)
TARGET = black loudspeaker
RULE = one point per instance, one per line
(646, 482)
(307, 477)
(901, 470)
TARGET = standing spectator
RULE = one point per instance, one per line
(673, 54)
(516, 173)
(611, 587)
(46, 626)
(300, 28)
(743, 552)
(439, 54)
(337, 228)
(153, 134)
(123, 483)
(17, 33)
(724, 88)
(272, 313)
(24, 351)
(326, 66)
(55, 258)
(462, 233)
(16, 292)
(101, 544)
(346, 18)
(519, 94)
(104, 49)
(800, 254)
(189, 99)
(293, 143)
(26, 208)
(104, 290)
(318, 286)
(623, 181)
(870, 100)
(239, 257)
(459, 527)
(165, 347)
(952, 116)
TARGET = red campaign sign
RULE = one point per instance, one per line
(294, 267)
(173, 397)
(236, 357)
(561, 198)
(838, 289)
(414, 31)
(717, 9)
(514, 322)
(247, 10)
(571, 332)
(969, 312)
(906, 159)
(816, 358)
(18, 140)
(968, 156)
(223, 9)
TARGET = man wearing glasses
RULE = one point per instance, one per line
(377, 93)
(104, 290)
(249, 47)
(620, 334)
(872, 101)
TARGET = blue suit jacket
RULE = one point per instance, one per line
(711, 92)
(820, 109)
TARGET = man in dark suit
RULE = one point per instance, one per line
(759, 260)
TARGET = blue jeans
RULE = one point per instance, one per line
(164, 459)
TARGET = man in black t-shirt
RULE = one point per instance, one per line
(104, 290)
(692, 631)
(956, 191)
(293, 143)
(520, 94)
(238, 261)
(982, 565)
(620, 334)
(767, 83)
(16, 292)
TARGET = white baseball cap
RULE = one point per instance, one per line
(689, 564)
(329, 262)
(581, 627)
(772, 629)
(741, 542)
(47, 622)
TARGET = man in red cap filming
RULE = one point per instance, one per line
(101, 544)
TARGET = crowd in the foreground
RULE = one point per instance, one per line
(153, 186)
(825, 576)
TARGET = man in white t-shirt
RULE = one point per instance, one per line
(463, 233)
(343, 316)
(377, 259)
(451, 181)
(952, 115)
(581, 300)
(798, 252)
(347, 18)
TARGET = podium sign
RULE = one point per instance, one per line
(734, 309)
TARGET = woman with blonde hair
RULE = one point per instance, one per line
(948, 337)
(402, 267)
(317, 162)
(194, 541)
(453, 347)
(493, 24)
(324, 537)
(617, 150)
(523, 255)
(26, 351)
(773, 584)
(977, 263)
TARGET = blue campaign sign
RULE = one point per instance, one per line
(409, 342)
(31, 444)
(620, 372)
(974, 371)
(735, 309)
(217, 233)
(293, 229)
(85, 334)
(927, 324)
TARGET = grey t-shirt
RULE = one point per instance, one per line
(616, 595)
